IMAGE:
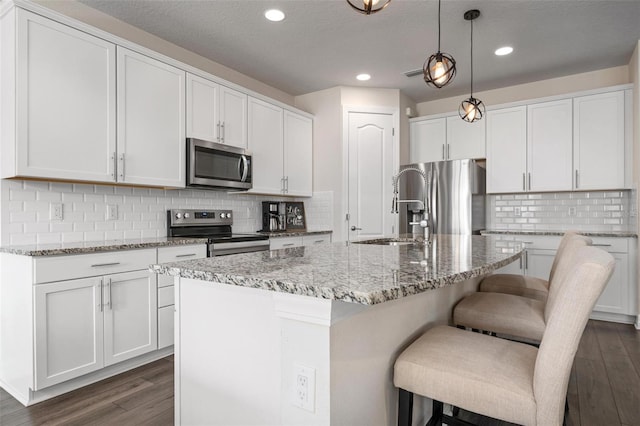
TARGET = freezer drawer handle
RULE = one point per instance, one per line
(99, 265)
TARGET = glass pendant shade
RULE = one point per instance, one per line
(471, 109)
(368, 6)
(439, 69)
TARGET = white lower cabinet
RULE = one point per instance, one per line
(276, 243)
(166, 295)
(618, 301)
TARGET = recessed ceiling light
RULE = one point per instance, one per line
(274, 15)
(504, 50)
(363, 77)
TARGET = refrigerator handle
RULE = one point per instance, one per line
(443, 152)
(524, 182)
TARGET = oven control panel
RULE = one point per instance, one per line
(191, 217)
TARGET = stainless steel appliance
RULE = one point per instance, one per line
(216, 166)
(215, 225)
(455, 197)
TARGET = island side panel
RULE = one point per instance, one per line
(227, 355)
(364, 348)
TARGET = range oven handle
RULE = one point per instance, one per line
(240, 244)
(243, 168)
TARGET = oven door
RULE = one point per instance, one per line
(224, 249)
(217, 166)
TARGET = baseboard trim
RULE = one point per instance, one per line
(619, 318)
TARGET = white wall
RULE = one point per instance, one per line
(537, 89)
(634, 77)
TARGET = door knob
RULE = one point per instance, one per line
(353, 228)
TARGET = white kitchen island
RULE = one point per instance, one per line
(309, 335)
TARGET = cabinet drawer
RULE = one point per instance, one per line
(165, 326)
(612, 245)
(178, 253)
(310, 240)
(165, 296)
(284, 242)
(58, 268)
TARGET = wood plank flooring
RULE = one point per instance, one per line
(604, 389)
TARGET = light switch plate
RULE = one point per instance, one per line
(112, 212)
(56, 211)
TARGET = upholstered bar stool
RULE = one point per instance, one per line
(506, 380)
(520, 317)
(522, 285)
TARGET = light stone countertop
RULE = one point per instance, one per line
(278, 234)
(84, 247)
(358, 273)
(615, 234)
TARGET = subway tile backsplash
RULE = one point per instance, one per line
(141, 212)
(588, 211)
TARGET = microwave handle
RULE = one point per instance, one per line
(243, 167)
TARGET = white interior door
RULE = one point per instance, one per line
(370, 170)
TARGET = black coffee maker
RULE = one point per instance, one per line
(273, 216)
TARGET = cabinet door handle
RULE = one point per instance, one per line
(223, 131)
(99, 265)
(529, 181)
(282, 184)
(601, 245)
(448, 152)
(101, 296)
(526, 263)
(524, 184)
(443, 157)
(109, 304)
(286, 183)
(521, 261)
(122, 166)
(218, 132)
(287, 245)
(318, 241)
(185, 255)
(577, 179)
(527, 242)
(114, 159)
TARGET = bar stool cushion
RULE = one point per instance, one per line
(519, 285)
(517, 316)
(475, 371)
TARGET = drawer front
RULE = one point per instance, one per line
(58, 268)
(612, 244)
(284, 242)
(165, 326)
(165, 296)
(311, 240)
(178, 253)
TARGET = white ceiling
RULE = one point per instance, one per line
(324, 43)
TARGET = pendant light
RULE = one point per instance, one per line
(368, 6)
(471, 109)
(440, 68)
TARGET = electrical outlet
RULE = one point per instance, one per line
(572, 211)
(517, 211)
(304, 387)
(112, 212)
(56, 211)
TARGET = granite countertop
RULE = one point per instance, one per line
(359, 273)
(616, 234)
(291, 233)
(84, 247)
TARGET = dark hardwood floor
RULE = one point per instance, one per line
(604, 390)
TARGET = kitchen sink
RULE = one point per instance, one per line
(390, 241)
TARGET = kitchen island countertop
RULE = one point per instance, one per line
(359, 273)
(615, 234)
(278, 234)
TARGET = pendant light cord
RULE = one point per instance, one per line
(472, 58)
(439, 1)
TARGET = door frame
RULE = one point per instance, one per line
(395, 149)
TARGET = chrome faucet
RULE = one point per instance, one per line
(424, 223)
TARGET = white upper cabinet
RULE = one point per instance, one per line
(549, 146)
(65, 101)
(298, 147)
(599, 141)
(428, 140)
(151, 114)
(280, 142)
(506, 149)
(266, 144)
(465, 140)
(216, 113)
(446, 138)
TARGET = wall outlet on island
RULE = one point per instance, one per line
(304, 387)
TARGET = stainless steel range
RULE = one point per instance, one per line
(215, 225)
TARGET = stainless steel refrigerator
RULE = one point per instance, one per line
(455, 197)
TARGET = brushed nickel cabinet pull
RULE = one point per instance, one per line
(186, 255)
(99, 265)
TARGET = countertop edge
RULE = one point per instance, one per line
(292, 233)
(612, 234)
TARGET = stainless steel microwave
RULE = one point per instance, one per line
(217, 166)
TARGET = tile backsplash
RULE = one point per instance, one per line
(588, 211)
(141, 212)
